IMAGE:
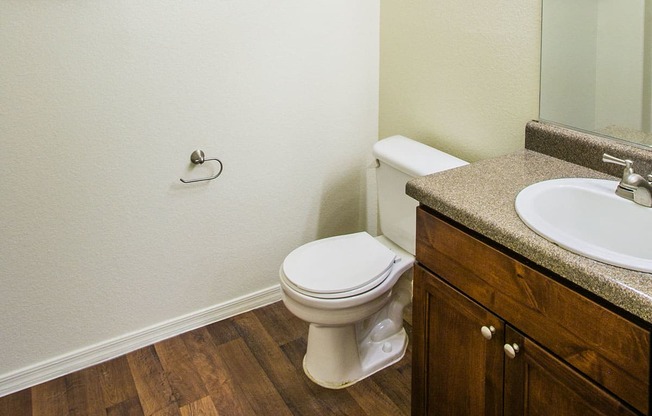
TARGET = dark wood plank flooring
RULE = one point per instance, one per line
(250, 364)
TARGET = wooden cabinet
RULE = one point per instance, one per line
(471, 298)
(459, 372)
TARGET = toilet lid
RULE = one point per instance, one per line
(351, 264)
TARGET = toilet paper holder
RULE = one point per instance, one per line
(197, 157)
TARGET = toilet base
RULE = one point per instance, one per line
(335, 359)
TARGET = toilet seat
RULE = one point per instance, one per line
(338, 267)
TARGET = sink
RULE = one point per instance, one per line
(586, 217)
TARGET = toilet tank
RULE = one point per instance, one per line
(401, 159)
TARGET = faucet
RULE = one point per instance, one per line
(632, 186)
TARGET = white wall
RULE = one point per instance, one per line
(460, 75)
(101, 104)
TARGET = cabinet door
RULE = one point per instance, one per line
(537, 383)
(456, 370)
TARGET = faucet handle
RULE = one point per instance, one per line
(622, 162)
(607, 158)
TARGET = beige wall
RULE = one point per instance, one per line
(460, 75)
(101, 104)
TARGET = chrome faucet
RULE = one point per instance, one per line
(632, 186)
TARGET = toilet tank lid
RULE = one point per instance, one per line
(412, 157)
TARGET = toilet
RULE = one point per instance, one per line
(352, 288)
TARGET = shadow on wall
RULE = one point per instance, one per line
(348, 203)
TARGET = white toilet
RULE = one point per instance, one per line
(348, 288)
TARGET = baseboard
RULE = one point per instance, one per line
(95, 354)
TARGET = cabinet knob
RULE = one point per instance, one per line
(511, 350)
(488, 331)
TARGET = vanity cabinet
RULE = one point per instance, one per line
(492, 335)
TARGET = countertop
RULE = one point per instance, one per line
(481, 197)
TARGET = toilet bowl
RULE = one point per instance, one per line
(356, 318)
(352, 288)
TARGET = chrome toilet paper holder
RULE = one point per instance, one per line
(198, 158)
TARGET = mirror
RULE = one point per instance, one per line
(596, 67)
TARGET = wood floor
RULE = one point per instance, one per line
(250, 364)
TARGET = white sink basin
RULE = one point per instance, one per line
(587, 218)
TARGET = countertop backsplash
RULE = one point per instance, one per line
(585, 149)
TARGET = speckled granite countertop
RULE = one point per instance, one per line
(481, 197)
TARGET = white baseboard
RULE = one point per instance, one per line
(104, 351)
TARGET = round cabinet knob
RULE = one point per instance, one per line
(488, 331)
(511, 350)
